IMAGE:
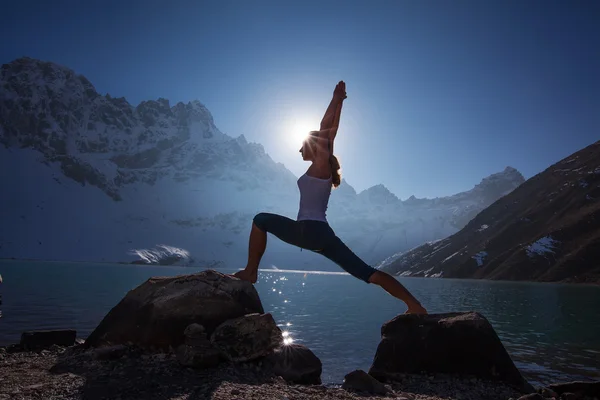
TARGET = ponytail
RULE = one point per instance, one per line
(336, 175)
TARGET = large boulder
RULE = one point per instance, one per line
(247, 338)
(462, 343)
(156, 313)
(296, 364)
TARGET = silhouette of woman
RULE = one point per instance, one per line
(311, 230)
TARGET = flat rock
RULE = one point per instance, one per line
(247, 338)
(296, 363)
(156, 313)
(462, 343)
(41, 339)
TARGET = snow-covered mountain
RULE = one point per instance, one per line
(86, 176)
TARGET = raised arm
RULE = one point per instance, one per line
(331, 119)
(339, 94)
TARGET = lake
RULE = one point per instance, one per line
(551, 331)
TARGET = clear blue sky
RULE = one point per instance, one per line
(440, 93)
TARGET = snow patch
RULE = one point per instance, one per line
(483, 228)
(479, 257)
(162, 254)
(449, 257)
(542, 246)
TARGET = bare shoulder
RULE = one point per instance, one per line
(319, 169)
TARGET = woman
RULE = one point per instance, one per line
(311, 230)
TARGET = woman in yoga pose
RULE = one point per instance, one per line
(311, 230)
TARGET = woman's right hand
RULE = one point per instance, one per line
(340, 91)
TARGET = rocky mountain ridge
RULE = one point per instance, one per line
(169, 176)
(548, 229)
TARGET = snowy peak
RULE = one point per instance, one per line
(106, 142)
(379, 195)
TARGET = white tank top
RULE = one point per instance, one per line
(314, 198)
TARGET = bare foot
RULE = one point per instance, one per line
(246, 275)
(416, 309)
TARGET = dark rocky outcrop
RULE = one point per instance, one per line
(41, 339)
(462, 343)
(156, 313)
(204, 320)
(547, 229)
(296, 364)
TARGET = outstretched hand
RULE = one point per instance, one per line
(340, 91)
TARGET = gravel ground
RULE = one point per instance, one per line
(74, 373)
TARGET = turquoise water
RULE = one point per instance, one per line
(551, 331)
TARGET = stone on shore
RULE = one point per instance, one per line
(462, 343)
(197, 351)
(198, 356)
(110, 352)
(360, 381)
(42, 339)
(578, 388)
(156, 313)
(296, 363)
(247, 338)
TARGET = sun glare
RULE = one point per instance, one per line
(299, 132)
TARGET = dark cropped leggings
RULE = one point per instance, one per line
(316, 236)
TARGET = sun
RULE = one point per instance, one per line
(298, 132)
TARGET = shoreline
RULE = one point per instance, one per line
(77, 373)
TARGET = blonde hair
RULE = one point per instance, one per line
(336, 174)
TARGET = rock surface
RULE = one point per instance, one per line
(360, 381)
(156, 313)
(296, 364)
(461, 343)
(532, 396)
(203, 355)
(247, 338)
(41, 339)
(580, 388)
